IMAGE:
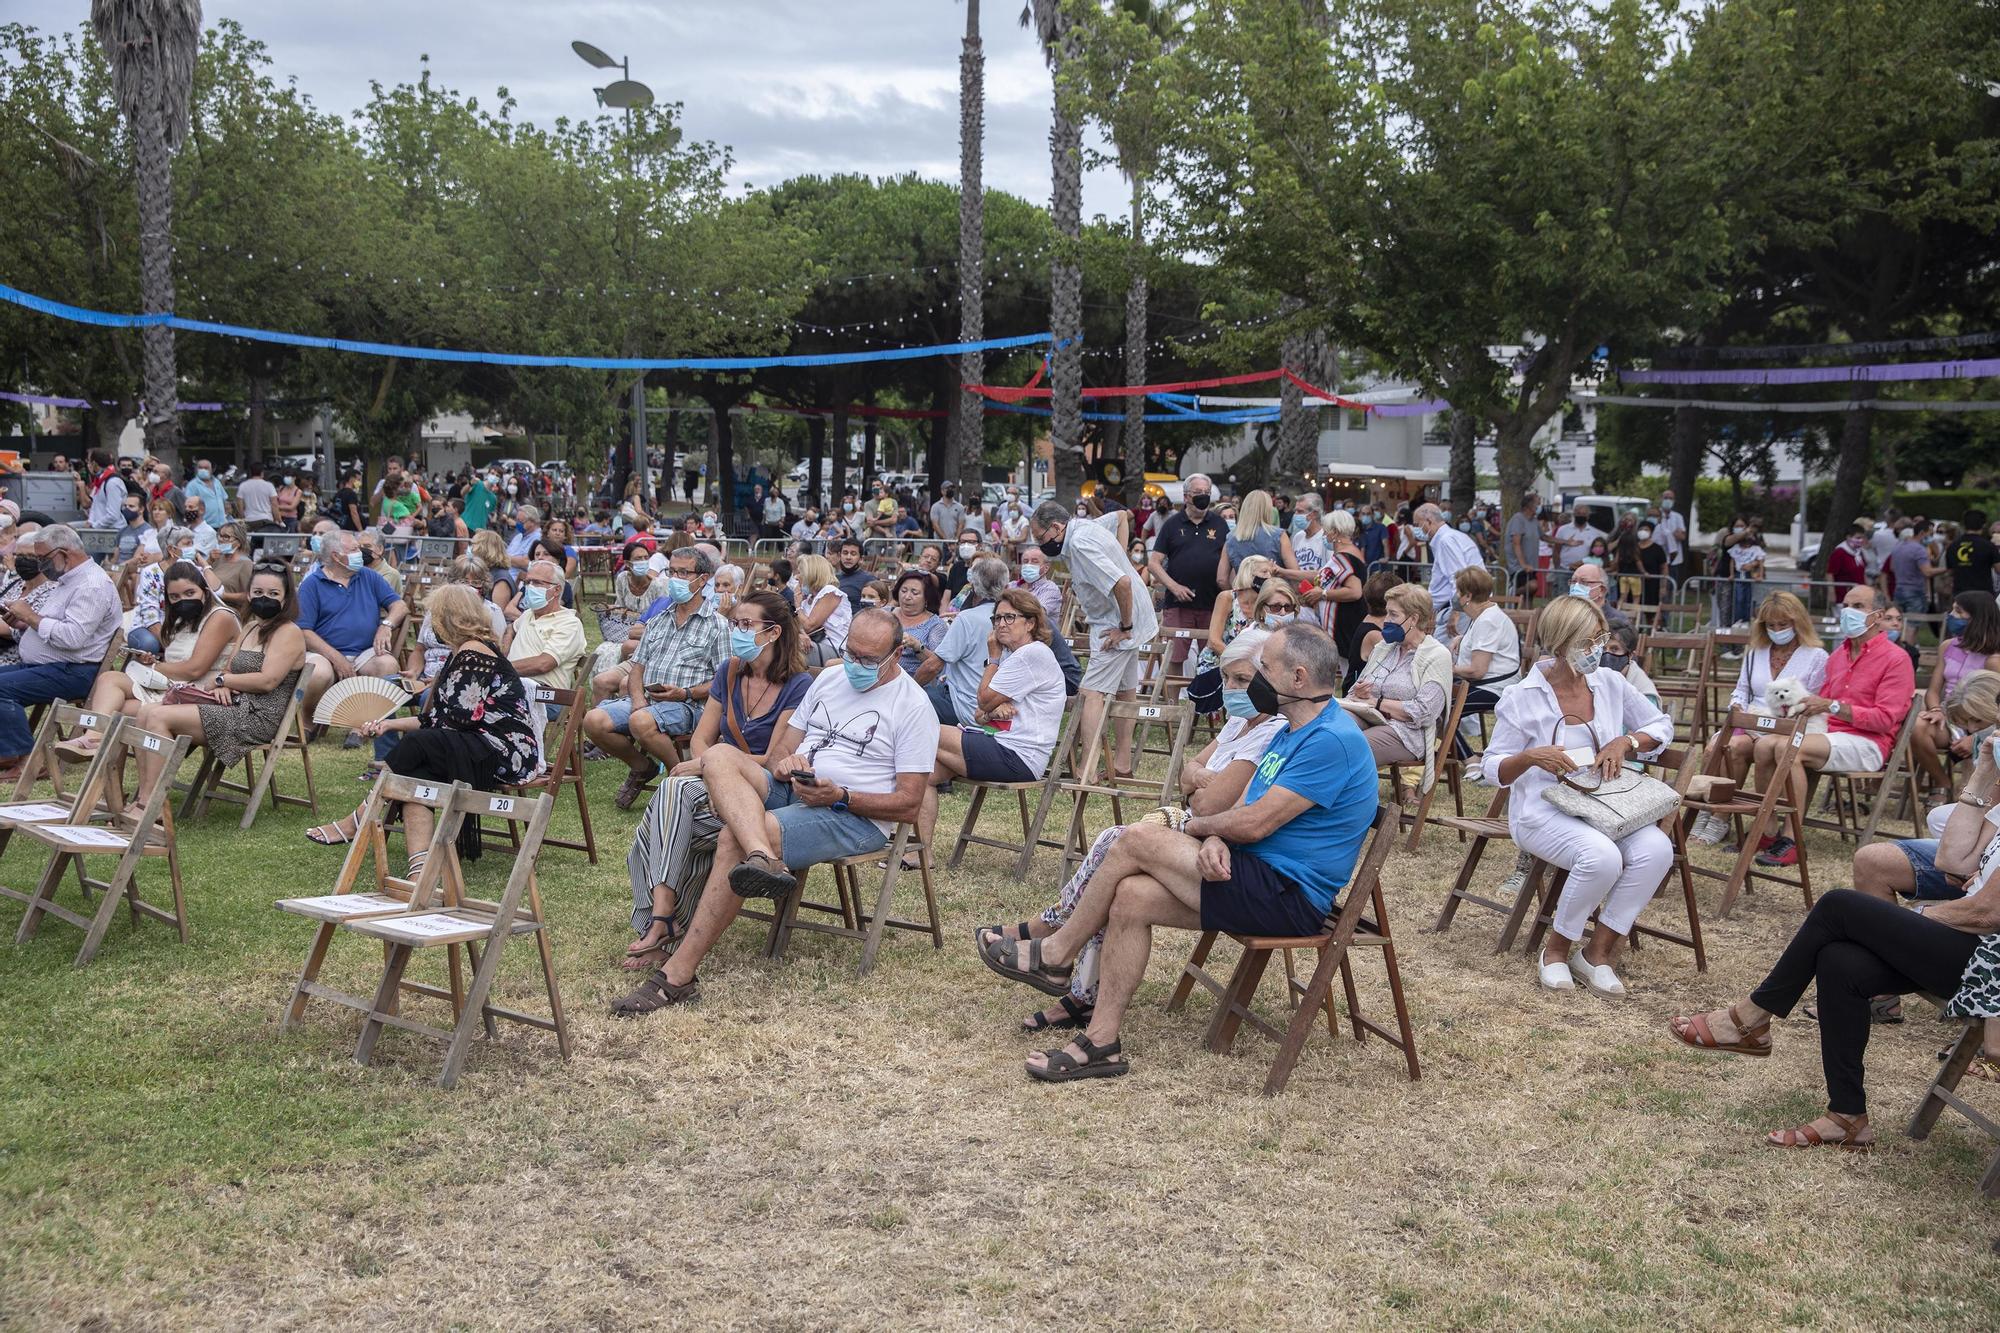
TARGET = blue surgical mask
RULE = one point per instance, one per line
(354, 560)
(1031, 573)
(678, 590)
(1237, 703)
(743, 644)
(1298, 524)
(1274, 619)
(1853, 621)
(1392, 632)
(205, 474)
(1893, 636)
(1781, 637)
(534, 598)
(860, 677)
(1579, 590)
(313, 544)
(225, 548)
(1955, 626)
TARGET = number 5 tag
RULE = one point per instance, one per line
(425, 793)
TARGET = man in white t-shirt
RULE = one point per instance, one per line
(1115, 605)
(851, 764)
(1671, 532)
(255, 497)
(1451, 551)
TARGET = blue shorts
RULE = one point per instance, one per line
(675, 719)
(1932, 883)
(1257, 900)
(816, 833)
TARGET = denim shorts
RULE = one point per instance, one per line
(1932, 884)
(675, 719)
(816, 833)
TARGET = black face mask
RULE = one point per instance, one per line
(1198, 502)
(184, 610)
(265, 607)
(1615, 662)
(47, 566)
(27, 566)
(131, 516)
(1264, 696)
(367, 556)
(1051, 548)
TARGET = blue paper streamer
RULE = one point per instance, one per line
(106, 319)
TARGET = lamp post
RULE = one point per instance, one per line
(626, 94)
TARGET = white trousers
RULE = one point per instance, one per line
(1618, 877)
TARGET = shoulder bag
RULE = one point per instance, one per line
(1614, 806)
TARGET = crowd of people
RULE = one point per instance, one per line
(788, 712)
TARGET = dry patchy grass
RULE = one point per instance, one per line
(805, 1150)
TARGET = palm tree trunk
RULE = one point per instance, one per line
(1135, 350)
(1464, 473)
(154, 168)
(968, 424)
(1066, 282)
(1296, 459)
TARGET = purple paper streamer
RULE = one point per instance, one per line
(50, 400)
(1418, 409)
(1874, 374)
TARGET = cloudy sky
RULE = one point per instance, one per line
(791, 86)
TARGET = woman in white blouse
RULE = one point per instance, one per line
(1211, 781)
(1489, 649)
(1566, 704)
(1782, 644)
(823, 608)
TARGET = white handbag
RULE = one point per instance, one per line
(1614, 806)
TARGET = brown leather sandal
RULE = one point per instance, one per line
(1855, 1136)
(1695, 1031)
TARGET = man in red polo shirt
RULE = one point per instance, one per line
(1869, 682)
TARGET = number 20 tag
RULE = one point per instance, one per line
(503, 805)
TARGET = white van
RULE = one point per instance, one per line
(1606, 510)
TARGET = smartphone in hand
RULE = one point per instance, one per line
(805, 777)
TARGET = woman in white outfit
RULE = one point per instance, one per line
(1783, 645)
(1566, 703)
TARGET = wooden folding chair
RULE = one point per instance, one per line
(1480, 830)
(1081, 784)
(854, 922)
(1345, 931)
(132, 834)
(1031, 838)
(435, 921)
(92, 799)
(1943, 1092)
(563, 767)
(114, 657)
(1758, 807)
(1446, 768)
(46, 759)
(260, 780)
(1720, 682)
(1897, 780)
(1680, 666)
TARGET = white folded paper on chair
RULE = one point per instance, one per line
(84, 836)
(348, 904)
(34, 812)
(432, 925)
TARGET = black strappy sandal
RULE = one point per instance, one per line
(985, 935)
(1078, 1016)
(1099, 1062)
(1047, 979)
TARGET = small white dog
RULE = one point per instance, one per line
(1786, 695)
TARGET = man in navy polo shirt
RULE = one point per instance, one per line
(350, 615)
(1271, 865)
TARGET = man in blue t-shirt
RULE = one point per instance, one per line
(1273, 864)
(350, 616)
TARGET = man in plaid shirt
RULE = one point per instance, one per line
(672, 668)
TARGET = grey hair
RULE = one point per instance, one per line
(704, 563)
(175, 536)
(1342, 523)
(553, 567)
(1882, 602)
(472, 572)
(1310, 503)
(1247, 643)
(1051, 513)
(1427, 513)
(1625, 637)
(988, 577)
(529, 512)
(1193, 477)
(60, 537)
(734, 572)
(875, 615)
(334, 546)
(1310, 647)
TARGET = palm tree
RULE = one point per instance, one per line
(1058, 37)
(969, 436)
(151, 46)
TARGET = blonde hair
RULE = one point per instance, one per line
(458, 615)
(814, 572)
(488, 546)
(1275, 588)
(1566, 623)
(1975, 704)
(1474, 583)
(1794, 611)
(1413, 602)
(1253, 515)
(1254, 567)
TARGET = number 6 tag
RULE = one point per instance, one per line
(86, 719)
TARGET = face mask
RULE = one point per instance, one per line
(1465, 527)
(1298, 524)
(367, 557)
(1277, 618)
(708, 520)
(131, 516)
(1615, 662)
(1580, 590)
(1445, 514)
(1237, 703)
(1264, 696)
(869, 604)
(1645, 534)
(1583, 661)
(205, 474)
(847, 509)
(354, 560)
(967, 551)
(27, 566)
(1667, 506)
(1031, 573)
(1392, 632)
(1955, 626)
(288, 481)
(47, 567)
(1853, 621)
(1781, 637)
(312, 543)
(1893, 635)
(1198, 501)
(265, 607)
(862, 678)
(743, 644)
(1051, 548)
(534, 598)
(679, 591)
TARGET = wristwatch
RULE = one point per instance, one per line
(841, 804)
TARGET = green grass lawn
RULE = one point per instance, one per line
(805, 1149)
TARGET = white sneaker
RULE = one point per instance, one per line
(1600, 979)
(1555, 976)
(1709, 829)
(1511, 886)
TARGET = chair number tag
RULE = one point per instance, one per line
(1766, 723)
(425, 793)
(1150, 710)
(503, 805)
(86, 719)
(150, 742)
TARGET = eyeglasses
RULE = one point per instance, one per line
(1009, 618)
(749, 626)
(850, 655)
(270, 567)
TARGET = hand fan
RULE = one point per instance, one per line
(1365, 714)
(359, 699)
